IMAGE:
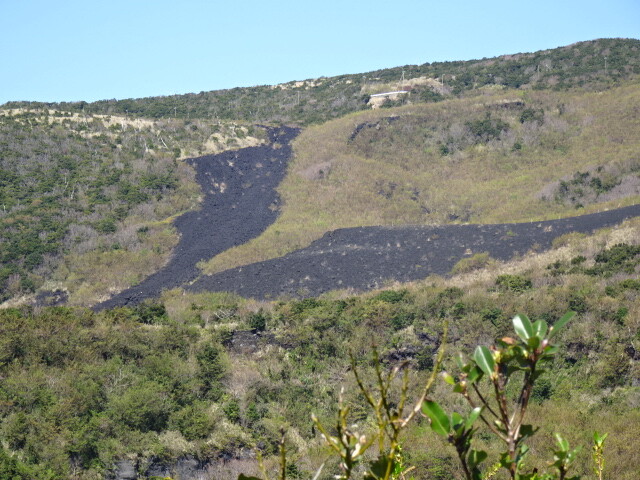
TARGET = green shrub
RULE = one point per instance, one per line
(232, 410)
(144, 407)
(392, 296)
(212, 370)
(192, 421)
(619, 258)
(532, 115)
(469, 264)
(513, 283)
(258, 321)
(150, 312)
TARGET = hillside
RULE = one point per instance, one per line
(506, 156)
(197, 382)
(449, 208)
(481, 142)
(87, 201)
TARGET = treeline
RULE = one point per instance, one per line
(592, 64)
(214, 377)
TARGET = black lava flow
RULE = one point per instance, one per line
(370, 257)
(240, 202)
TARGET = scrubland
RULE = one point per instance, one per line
(215, 375)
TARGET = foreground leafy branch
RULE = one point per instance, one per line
(526, 354)
(522, 356)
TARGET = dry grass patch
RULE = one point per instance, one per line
(94, 276)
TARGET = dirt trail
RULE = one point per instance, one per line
(240, 202)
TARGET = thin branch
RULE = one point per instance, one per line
(427, 388)
(483, 400)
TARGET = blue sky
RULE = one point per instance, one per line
(88, 50)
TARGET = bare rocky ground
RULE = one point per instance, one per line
(240, 202)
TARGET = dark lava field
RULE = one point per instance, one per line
(240, 202)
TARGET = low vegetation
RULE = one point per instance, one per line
(216, 376)
(595, 64)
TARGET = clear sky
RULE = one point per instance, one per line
(70, 50)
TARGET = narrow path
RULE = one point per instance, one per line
(369, 257)
(240, 202)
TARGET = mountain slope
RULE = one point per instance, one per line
(497, 157)
(195, 383)
(239, 202)
(86, 200)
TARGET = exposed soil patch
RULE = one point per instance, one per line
(369, 257)
(240, 202)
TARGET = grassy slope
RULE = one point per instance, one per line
(394, 172)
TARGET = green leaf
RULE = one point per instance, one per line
(523, 327)
(505, 460)
(244, 477)
(378, 468)
(540, 329)
(448, 378)
(439, 420)
(538, 373)
(527, 431)
(476, 457)
(473, 416)
(474, 374)
(534, 342)
(563, 445)
(456, 420)
(524, 449)
(599, 439)
(561, 323)
(484, 359)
